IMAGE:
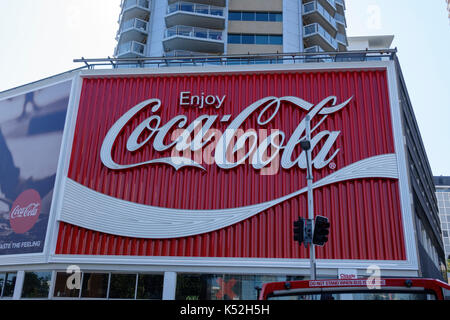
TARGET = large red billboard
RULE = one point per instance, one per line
(210, 165)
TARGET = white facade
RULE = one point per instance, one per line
(370, 42)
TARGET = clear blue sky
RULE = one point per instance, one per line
(40, 38)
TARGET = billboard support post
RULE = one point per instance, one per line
(310, 178)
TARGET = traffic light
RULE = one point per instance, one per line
(299, 225)
(303, 231)
(321, 230)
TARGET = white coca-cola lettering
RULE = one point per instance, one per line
(200, 101)
(267, 109)
(22, 212)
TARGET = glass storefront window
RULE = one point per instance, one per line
(109, 286)
(223, 287)
(150, 286)
(61, 289)
(36, 284)
(10, 283)
(122, 286)
(95, 285)
(2, 282)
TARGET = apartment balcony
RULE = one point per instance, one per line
(340, 6)
(219, 3)
(134, 29)
(185, 53)
(195, 14)
(341, 22)
(132, 49)
(314, 12)
(135, 9)
(194, 39)
(328, 5)
(314, 34)
(342, 41)
(340, 3)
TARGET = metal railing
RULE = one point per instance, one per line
(342, 39)
(134, 23)
(131, 3)
(332, 3)
(195, 8)
(131, 47)
(270, 58)
(194, 32)
(184, 53)
(316, 28)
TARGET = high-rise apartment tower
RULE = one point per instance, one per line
(443, 197)
(155, 28)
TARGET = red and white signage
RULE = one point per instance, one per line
(25, 211)
(209, 165)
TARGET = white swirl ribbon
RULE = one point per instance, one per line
(89, 209)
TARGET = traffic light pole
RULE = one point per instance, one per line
(310, 179)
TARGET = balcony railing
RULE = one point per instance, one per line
(126, 4)
(316, 28)
(135, 23)
(195, 8)
(340, 2)
(342, 39)
(315, 6)
(194, 32)
(131, 48)
(340, 19)
(330, 5)
(183, 53)
(135, 9)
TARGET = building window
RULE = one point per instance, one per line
(36, 284)
(255, 16)
(122, 286)
(223, 286)
(7, 284)
(95, 285)
(110, 286)
(248, 39)
(62, 290)
(262, 39)
(150, 286)
(255, 39)
(234, 38)
(234, 15)
(248, 16)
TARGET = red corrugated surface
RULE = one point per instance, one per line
(365, 214)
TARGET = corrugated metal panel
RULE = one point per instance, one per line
(365, 214)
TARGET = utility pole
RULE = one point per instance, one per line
(306, 146)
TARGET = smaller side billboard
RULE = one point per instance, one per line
(31, 130)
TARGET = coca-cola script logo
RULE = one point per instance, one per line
(230, 143)
(25, 211)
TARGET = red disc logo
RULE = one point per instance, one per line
(25, 211)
